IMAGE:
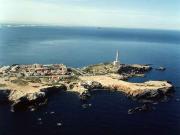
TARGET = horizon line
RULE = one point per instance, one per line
(85, 26)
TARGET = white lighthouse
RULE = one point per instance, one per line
(117, 62)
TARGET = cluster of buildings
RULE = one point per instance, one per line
(52, 71)
(35, 70)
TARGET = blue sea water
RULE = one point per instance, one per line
(81, 46)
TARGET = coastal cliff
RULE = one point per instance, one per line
(146, 90)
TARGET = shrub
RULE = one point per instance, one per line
(34, 79)
(20, 82)
(2, 85)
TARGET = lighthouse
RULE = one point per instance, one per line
(117, 62)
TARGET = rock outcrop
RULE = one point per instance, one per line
(92, 85)
(160, 68)
(53, 89)
(146, 90)
(144, 108)
(30, 100)
(4, 93)
(133, 70)
(24, 99)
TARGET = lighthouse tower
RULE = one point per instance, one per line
(117, 62)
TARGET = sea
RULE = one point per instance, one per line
(107, 112)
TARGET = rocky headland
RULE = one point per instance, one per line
(29, 86)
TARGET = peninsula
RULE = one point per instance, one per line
(27, 86)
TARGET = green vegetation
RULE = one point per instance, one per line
(107, 63)
(20, 82)
(45, 79)
(34, 79)
(2, 85)
(54, 84)
(75, 72)
(100, 69)
(70, 79)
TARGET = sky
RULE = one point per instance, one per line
(153, 14)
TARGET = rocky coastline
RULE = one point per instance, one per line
(29, 86)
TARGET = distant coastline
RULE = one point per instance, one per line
(16, 25)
